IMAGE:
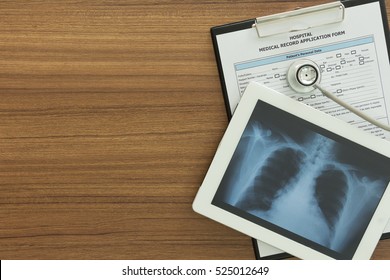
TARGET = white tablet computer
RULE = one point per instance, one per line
(298, 179)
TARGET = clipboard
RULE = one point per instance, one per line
(296, 24)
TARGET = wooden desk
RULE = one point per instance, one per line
(110, 113)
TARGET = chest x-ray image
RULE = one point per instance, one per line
(303, 182)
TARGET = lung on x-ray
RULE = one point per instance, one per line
(303, 182)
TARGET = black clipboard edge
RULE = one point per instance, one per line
(236, 26)
(385, 236)
(256, 250)
(283, 256)
(385, 22)
(231, 27)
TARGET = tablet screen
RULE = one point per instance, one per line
(303, 182)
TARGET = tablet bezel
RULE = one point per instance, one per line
(254, 92)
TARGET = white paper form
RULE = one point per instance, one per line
(352, 56)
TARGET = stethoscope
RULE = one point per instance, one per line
(304, 76)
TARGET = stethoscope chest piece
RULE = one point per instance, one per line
(303, 75)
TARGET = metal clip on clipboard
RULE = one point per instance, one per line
(301, 19)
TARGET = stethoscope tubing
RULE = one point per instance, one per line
(303, 87)
(351, 108)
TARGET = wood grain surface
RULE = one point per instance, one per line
(110, 114)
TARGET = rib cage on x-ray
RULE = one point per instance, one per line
(300, 185)
(280, 167)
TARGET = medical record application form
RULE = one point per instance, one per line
(352, 56)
